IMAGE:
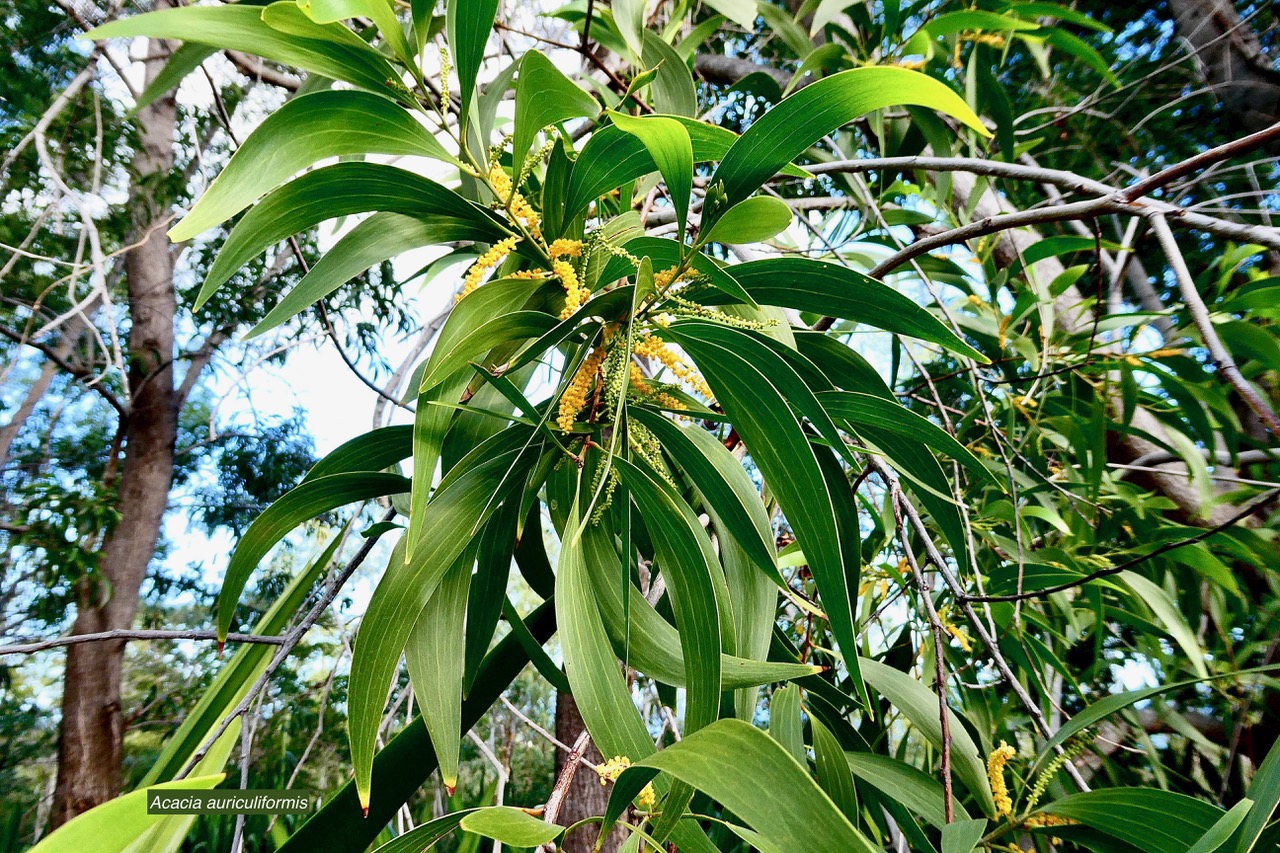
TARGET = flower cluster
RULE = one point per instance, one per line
(575, 295)
(513, 201)
(612, 769)
(486, 262)
(999, 757)
(574, 397)
(652, 346)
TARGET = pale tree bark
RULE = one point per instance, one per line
(92, 728)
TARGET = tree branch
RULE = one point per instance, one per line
(28, 647)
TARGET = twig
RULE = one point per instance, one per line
(33, 646)
(291, 639)
(1245, 512)
(1204, 323)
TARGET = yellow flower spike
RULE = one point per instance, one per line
(652, 346)
(564, 248)
(646, 799)
(490, 259)
(999, 757)
(638, 380)
(575, 294)
(574, 397)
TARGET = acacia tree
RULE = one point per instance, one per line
(939, 571)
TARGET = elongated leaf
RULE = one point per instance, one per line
(305, 130)
(771, 792)
(1152, 820)
(114, 825)
(751, 221)
(611, 158)
(673, 89)
(240, 672)
(422, 837)
(466, 498)
(903, 784)
(725, 486)
(1166, 611)
(183, 61)
(341, 190)
(756, 389)
(824, 288)
(434, 657)
(973, 21)
(381, 12)
(599, 687)
(321, 48)
(544, 96)
(516, 326)
(1220, 833)
(513, 827)
(651, 641)
(379, 238)
(868, 411)
(833, 770)
(301, 503)
(467, 26)
(401, 768)
(668, 144)
(373, 451)
(784, 721)
(919, 704)
(489, 586)
(1264, 790)
(688, 562)
(814, 111)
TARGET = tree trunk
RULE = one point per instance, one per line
(586, 797)
(92, 729)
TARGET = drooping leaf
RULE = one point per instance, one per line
(379, 238)
(770, 791)
(1220, 833)
(307, 129)
(668, 144)
(833, 770)
(1150, 819)
(401, 768)
(906, 785)
(341, 190)
(1264, 790)
(963, 835)
(381, 12)
(784, 721)
(325, 49)
(825, 288)
(434, 657)
(301, 503)
(465, 499)
(673, 89)
(919, 704)
(756, 389)
(816, 110)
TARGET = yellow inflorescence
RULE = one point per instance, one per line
(564, 248)
(652, 346)
(999, 757)
(612, 769)
(575, 396)
(574, 293)
(663, 278)
(960, 634)
(486, 262)
(529, 275)
(1038, 820)
(515, 203)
